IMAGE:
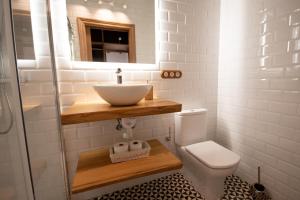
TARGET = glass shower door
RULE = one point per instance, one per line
(15, 178)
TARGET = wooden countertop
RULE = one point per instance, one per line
(30, 107)
(95, 169)
(81, 113)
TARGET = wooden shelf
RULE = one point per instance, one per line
(29, 108)
(81, 113)
(95, 169)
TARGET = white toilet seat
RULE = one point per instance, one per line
(213, 155)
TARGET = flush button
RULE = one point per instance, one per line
(171, 74)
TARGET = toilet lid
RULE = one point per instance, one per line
(213, 155)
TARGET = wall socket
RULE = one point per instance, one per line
(171, 74)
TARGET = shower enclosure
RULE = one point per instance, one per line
(32, 162)
(15, 181)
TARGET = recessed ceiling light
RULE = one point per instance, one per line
(125, 6)
(100, 2)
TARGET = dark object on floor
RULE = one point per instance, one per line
(258, 191)
(176, 187)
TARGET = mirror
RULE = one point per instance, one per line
(23, 30)
(112, 30)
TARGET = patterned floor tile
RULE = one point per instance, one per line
(236, 189)
(176, 187)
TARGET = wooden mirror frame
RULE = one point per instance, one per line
(84, 33)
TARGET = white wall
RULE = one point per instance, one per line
(259, 91)
(256, 87)
(188, 39)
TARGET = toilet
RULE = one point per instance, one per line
(207, 160)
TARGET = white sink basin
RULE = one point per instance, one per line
(122, 94)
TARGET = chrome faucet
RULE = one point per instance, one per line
(119, 76)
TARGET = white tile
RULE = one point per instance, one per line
(141, 76)
(275, 173)
(279, 153)
(284, 108)
(86, 132)
(176, 17)
(268, 117)
(293, 71)
(296, 32)
(168, 27)
(167, 5)
(70, 75)
(163, 15)
(270, 88)
(83, 88)
(70, 133)
(290, 121)
(79, 144)
(289, 169)
(168, 47)
(47, 89)
(98, 76)
(65, 88)
(100, 141)
(295, 18)
(37, 75)
(292, 96)
(290, 145)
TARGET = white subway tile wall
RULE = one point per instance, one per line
(256, 88)
(187, 42)
(259, 91)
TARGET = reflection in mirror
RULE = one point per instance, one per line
(112, 30)
(23, 31)
(106, 41)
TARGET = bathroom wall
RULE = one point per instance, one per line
(256, 87)
(259, 91)
(42, 124)
(188, 40)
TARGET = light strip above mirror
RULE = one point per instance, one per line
(114, 66)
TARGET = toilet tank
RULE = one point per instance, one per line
(190, 127)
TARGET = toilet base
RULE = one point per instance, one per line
(214, 188)
(210, 188)
(210, 183)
